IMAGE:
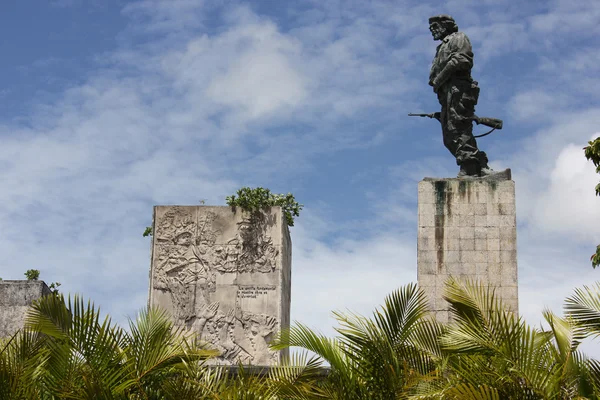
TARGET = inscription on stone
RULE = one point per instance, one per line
(253, 292)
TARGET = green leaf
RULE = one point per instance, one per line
(256, 199)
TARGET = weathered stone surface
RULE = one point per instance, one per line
(467, 229)
(225, 275)
(15, 299)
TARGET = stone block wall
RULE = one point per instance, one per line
(224, 275)
(467, 229)
(16, 296)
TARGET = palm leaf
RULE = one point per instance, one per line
(22, 363)
(154, 350)
(84, 354)
(584, 308)
(469, 392)
(297, 377)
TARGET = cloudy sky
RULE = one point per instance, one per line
(111, 106)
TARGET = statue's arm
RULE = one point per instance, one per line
(461, 59)
(462, 53)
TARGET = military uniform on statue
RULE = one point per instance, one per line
(457, 93)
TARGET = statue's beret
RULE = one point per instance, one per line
(441, 18)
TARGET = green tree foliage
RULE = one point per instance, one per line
(66, 351)
(487, 352)
(295, 378)
(592, 153)
(385, 357)
(495, 352)
(32, 274)
(256, 199)
(54, 287)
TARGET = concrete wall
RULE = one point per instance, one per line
(15, 299)
(224, 275)
(467, 229)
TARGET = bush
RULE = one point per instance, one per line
(256, 199)
(32, 274)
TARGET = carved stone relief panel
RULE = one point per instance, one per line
(219, 273)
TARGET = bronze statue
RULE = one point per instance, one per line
(457, 93)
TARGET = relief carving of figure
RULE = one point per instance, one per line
(250, 250)
(186, 263)
(262, 329)
(240, 337)
(181, 270)
(258, 252)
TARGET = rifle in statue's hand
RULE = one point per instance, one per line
(493, 123)
(435, 115)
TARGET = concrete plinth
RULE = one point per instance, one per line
(15, 299)
(467, 229)
(224, 275)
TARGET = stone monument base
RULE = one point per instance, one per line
(467, 229)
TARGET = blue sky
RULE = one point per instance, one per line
(110, 107)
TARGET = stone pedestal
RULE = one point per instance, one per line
(224, 275)
(15, 299)
(467, 229)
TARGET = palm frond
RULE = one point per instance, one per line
(154, 349)
(83, 353)
(297, 377)
(330, 350)
(584, 308)
(494, 347)
(467, 391)
(22, 362)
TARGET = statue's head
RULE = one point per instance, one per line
(441, 26)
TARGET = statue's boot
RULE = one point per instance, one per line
(483, 162)
(469, 169)
(486, 171)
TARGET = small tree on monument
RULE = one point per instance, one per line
(592, 153)
(255, 199)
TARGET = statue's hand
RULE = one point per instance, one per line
(436, 85)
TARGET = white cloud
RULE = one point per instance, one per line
(535, 104)
(568, 17)
(569, 204)
(196, 113)
(262, 78)
(348, 275)
(537, 156)
(548, 274)
(495, 40)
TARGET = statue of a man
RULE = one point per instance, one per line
(457, 93)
